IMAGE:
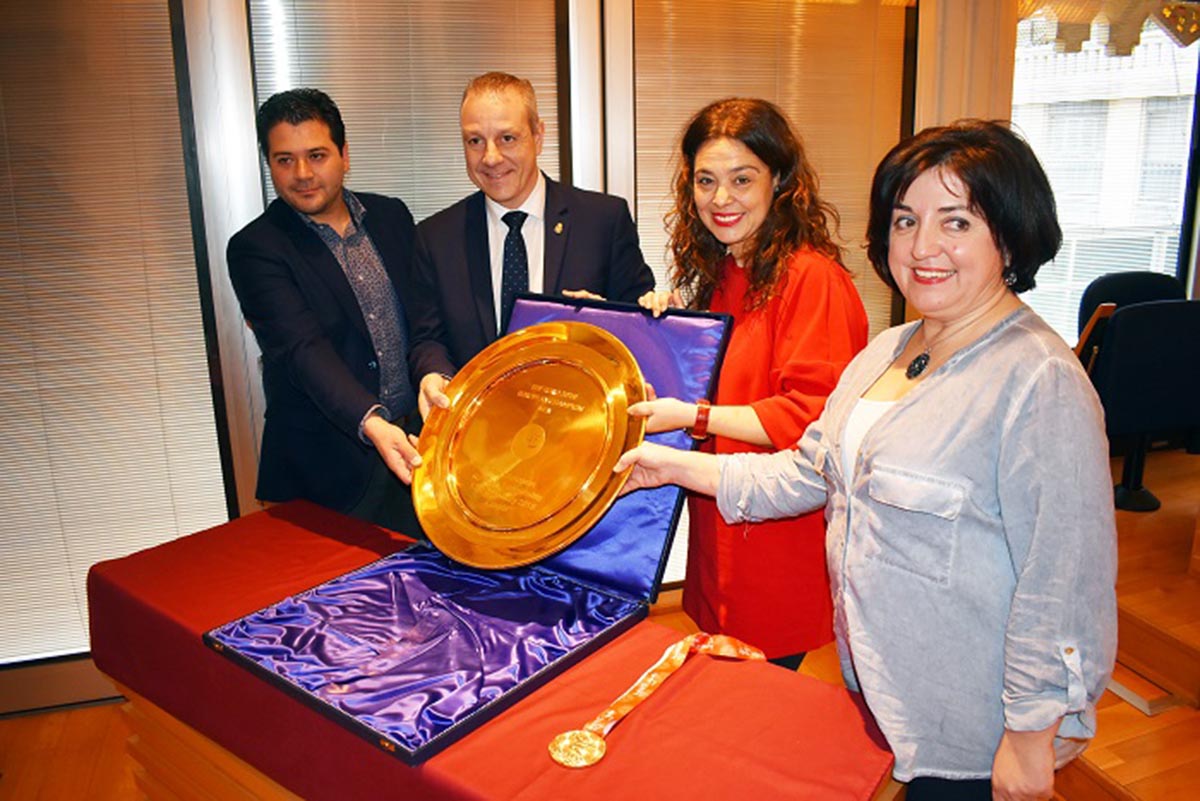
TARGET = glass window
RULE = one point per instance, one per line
(1112, 129)
(1166, 122)
(1074, 154)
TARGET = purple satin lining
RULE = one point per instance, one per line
(414, 643)
(678, 354)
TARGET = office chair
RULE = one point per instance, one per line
(1109, 292)
(1147, 374)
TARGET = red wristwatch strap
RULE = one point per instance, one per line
(700, 427)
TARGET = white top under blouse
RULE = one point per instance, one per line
(862, 417)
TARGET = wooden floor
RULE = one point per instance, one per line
(80, 753)
(1157, 757)
(77, 754)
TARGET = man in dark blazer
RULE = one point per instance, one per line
(320, 276)
(575, 242)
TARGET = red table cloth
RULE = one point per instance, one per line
(718, 729)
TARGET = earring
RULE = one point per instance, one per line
(1010, 277)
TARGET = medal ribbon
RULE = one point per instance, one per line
(672, 659)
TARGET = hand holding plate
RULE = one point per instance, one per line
(395, 446)
(432, 394)
(664, 414)
(656, 465)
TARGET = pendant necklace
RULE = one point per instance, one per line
(917, 365)
(953, 331)
(921, 360)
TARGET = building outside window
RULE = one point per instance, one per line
(1113, 131)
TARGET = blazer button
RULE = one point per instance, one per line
(373, 365)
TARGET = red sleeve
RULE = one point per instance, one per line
(819, 324)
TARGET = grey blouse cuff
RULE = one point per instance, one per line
(732, 487)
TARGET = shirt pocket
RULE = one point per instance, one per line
(914, 521)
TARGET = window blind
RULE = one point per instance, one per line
(397, 71)
(834, 68)
(109, 441)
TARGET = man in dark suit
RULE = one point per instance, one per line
(320, 276)
(520, 232)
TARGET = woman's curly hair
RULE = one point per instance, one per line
(797, 218)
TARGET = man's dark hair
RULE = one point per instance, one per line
(296, 106)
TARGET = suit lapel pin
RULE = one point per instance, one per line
(558, 226)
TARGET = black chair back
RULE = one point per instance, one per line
(1137, 286)
(1147, 374)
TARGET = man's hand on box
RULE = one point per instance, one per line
(658, 302)
(581, 294)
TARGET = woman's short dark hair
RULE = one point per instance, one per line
(1005, 183)
(798, 216)
(296, 106)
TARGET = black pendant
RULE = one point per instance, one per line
(917, 366)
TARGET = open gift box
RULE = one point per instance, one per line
(414, 651)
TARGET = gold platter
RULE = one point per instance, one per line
(520, 464)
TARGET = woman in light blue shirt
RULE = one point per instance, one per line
(964, 471)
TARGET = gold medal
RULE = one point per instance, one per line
(577, 749)
(583, 747)
(520, 464)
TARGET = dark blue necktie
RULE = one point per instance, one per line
(514, 274)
